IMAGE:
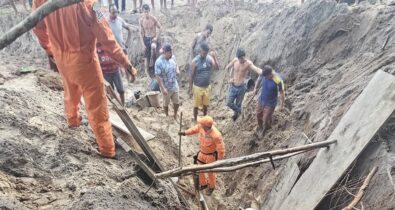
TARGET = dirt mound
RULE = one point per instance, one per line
(327, 53)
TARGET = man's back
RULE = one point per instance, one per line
(269, 93)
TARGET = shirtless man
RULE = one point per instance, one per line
(241, 67)
(149, 36)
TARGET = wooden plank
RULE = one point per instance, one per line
(142, 165)
(156, 165)
(354, 131)
(117, 122)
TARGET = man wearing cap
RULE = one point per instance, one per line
(212, 148)
(199, 82)
(240, 67)
(166, 74)
(149, 37)
(268, 99)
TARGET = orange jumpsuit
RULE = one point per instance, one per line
(210, 142)
(70, 35)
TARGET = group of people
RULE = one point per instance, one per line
(90, 49)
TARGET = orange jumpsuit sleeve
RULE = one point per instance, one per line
(219, 143)
(41, 30)
(194, 130)
(105, 37)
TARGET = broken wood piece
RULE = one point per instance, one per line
(32, 20)
(361, 191)
(241, 160)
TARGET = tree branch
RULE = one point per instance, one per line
(361, 191)
(31, 21)
(241, 160)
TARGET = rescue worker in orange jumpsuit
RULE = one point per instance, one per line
(69, 35)
(212, 148)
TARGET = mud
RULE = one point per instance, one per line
(327, 53)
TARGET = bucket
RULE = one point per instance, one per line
(250, 84)
(143, 102)
(153, 98)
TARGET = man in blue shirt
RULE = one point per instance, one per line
(268, 99)
(166, 75)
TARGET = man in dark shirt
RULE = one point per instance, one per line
(268, 99)
(199, 82)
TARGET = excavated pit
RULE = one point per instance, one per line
(327, 53)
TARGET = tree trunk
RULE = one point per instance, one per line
(240, 160)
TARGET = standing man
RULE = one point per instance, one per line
(200, 38)
(166, 72)
(199, 82)
(240, 67)
(69, 35)
(111, 72)
(271, 86)
(117, 24)
(212, 148)
(149, 37)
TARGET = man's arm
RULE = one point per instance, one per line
(129, 29)
(193, 47)
(215, 62)
(162, 87)
(257, 84)
(282, 96)
(230, 64)
(192, 77)
(256, 69)
(219, 143)
(157, 24)
(194, 130)
(142, 32)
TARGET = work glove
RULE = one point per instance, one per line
(181, 133)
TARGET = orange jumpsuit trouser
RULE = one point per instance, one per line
(82, 76)
(211, 175)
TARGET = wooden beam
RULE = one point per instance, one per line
(241, 160)
(361, 191)
(33, 19)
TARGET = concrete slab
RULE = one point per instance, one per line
(354, 131)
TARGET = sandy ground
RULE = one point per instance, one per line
(327, 53)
